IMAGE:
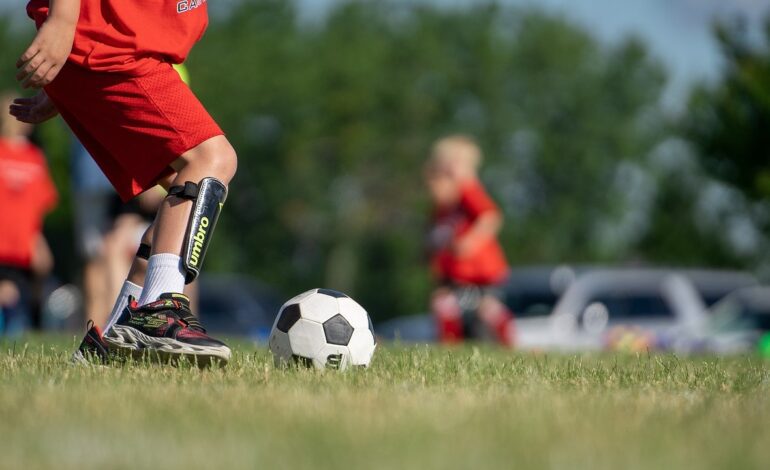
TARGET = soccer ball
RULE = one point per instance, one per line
(322, 328)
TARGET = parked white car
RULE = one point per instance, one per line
(661, 302)
(737, 324)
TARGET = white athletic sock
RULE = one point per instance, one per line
(128, 289)
(164, 274)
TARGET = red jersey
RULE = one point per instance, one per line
(26, 195)
(131, 36)
(486, 265)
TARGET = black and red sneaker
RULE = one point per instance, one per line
(165, 330)
(93, 348)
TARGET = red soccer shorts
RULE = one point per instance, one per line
(133, 127)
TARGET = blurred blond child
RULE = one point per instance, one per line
(466, 257)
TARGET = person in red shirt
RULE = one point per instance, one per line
(27, 194)
(106, 68)
(466, 257)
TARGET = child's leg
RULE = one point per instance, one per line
(165, 270)
(213, 158)
(137, 129)
(448, 314)
(497, 318)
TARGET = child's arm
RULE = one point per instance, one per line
(486, 227)
(43, 59)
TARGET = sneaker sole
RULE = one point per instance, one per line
(78, 359)
(139, 345)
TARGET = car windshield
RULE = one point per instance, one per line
(624, 306)
(531, 304)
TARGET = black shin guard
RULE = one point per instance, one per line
(208, 196)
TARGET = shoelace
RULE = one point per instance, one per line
(187, 317)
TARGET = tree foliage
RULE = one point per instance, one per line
(730, 122)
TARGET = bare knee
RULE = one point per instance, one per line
(444, 303)
(214, 157)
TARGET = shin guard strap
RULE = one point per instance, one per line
(144, 251)
(188, 191)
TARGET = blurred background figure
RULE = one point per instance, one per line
(27, 194)
(466, 257)
(93, 200)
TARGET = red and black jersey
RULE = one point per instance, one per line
(487, 264)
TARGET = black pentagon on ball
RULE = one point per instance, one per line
(338, 330)
(289, 316)
(332, 293)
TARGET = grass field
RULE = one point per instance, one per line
(416, 407)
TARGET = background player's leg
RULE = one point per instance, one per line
(165, 271)
(497, 318)
(448, 315)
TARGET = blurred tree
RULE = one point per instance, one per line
(728, 126)
(729, 123)
(683, 227)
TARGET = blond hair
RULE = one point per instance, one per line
(459, 152)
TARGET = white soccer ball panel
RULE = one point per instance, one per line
(361, 347)
(280, 347)
(306, 338)
(294, 300)
(332, 356)
(353, 312)
(299, 298)
(319, 307)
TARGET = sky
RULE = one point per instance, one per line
(677, 31)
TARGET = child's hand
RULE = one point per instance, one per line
(485, 228)
(33, 110)
(43, 59)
